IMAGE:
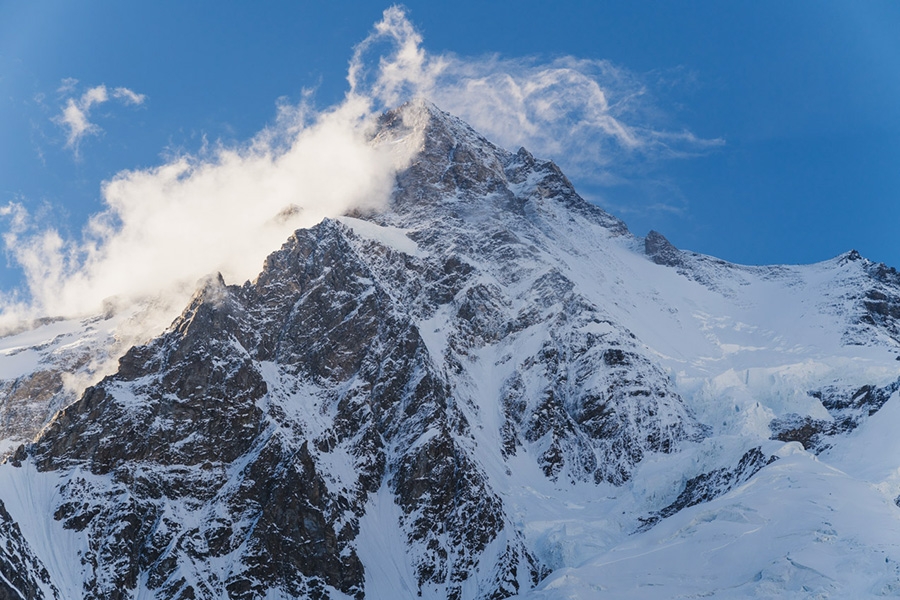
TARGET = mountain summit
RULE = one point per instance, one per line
(488, 388)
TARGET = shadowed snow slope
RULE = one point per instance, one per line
(490, 388)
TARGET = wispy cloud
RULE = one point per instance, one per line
(588, 115)
(67, 85)
(75, 114)
(128, 97)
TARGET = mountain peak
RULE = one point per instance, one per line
(423, 115)
(453, 153)
(457, 172)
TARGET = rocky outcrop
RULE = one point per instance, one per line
(711, 485)
(847, 408)
(22, 574)
(882, 299)
(661, 251)
(63, 359)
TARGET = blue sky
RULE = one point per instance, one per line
(759, 132)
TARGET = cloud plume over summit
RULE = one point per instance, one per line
(225, 209)
(586, 114)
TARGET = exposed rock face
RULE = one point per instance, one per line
(31, 396)
(22, 575)
(661, 251)
(882, 302)
(847, 408)
(587, 402)
(711, 485)
(385, 385)
(192, 418)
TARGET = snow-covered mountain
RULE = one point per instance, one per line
(489, 388)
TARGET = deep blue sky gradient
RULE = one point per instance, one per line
(805, 94)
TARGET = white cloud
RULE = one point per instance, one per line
(75, 115)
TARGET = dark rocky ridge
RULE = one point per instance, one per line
(170, 426)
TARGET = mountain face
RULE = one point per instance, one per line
(489, 388)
